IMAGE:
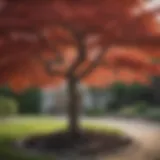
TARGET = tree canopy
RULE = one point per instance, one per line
(45, 41)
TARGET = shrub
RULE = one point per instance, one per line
(7, 92)
(30, 101)
(137, 109)
(137, 92)
(141, 107)
(118, 91)
(95, 112)
(8, 106)
(128, 111)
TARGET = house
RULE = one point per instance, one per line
(56, 100)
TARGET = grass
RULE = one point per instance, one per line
(17, 128)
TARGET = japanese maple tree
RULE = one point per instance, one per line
(51, 41)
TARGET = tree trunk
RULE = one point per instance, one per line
(73, 108)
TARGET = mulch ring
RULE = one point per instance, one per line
(85, 143)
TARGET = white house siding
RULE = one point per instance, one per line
(101, 99)
(52, 98)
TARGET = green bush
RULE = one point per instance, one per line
(8, 106)
(7, 92)
(129, 94)
(137, 109)
(141, 107)
(30, 101)
(118, 91)
(128, 111)
(95, 112)
(137, 92)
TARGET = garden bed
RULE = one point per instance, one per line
(86, 142)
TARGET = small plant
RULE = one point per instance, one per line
(95, 112)
(8, 106)
(128, 111)
(137, 109)
(141, 107)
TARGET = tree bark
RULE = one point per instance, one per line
(73, 108)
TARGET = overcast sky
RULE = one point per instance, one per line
(152, 5)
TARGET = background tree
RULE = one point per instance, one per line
(51, 41)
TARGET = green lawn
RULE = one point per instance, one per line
(17, 128)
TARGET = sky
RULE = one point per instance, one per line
(152, 5)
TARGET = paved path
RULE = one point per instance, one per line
(146, 134)
(137, 129)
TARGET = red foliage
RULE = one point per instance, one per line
(130, 57)
(66, 23)
(155, 69)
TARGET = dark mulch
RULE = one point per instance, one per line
(85, 143)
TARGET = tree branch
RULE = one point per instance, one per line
(48, 64)
(93, 64)
(80, 58)
(81, 49)
(44, 42)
